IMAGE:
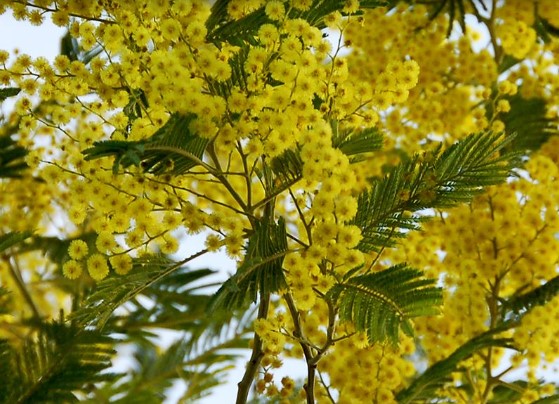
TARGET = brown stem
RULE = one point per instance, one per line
(256, 356)
(307, 351)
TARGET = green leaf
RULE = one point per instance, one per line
(114, 291)
(435, 180)
(244, 30)
(53, 365)
(522, 303)
(261, 270)
(456, 12)
(179, 304)
(8, 92)
(423, 388)
(173, 149)
(380, 303)
(70, 47)
(12, 163)
(528, 119)
(545, 30)
(358, 143)
(10, 239)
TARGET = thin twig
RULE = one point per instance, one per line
(16, 275)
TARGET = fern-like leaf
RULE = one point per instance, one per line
(355, 144)
(380, 303)
(114, 291)
(528, 118)
(173, 149)
(12, 163)
(244, 30)
(52, 366)
(261, 270)
(521, 304)
(437, 180)
(424, 387)
(456, 10)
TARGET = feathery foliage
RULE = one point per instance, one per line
(55, 364)
(529, 120)
(11, 239)
(522, 303)
(380, 303)
(112, 292)
(8, 92)
(434, 180)
(173, 149)
(261, 271)
(12, 162)
(425, 386)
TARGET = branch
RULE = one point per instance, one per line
(256, 357)
(307, 351)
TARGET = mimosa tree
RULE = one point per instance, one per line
(389, 198)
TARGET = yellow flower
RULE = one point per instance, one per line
(97, 267)
(275, 10)
(72, 269)
(122, 263)
(78, 249)
(170, 29)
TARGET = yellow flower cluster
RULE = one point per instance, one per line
(536, 336)
(292, 90)
(368, 374)
(446, 100)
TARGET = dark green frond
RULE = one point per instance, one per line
(52, 366)
(12, 163)
(522, 303)
(114, 291)
(456, 11)
(436, 180)
(236, 32)
(287, 169)
(528, 119)
(10, 239)
(8, 92)
(70, 47)
(155, 370)
(422, 388)
(4, 300)
(545, 30)
(354, 144)
(179, 304)
(321, 8)
(173, 149)
(261, 270)
(244, 30)
(380, 303)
